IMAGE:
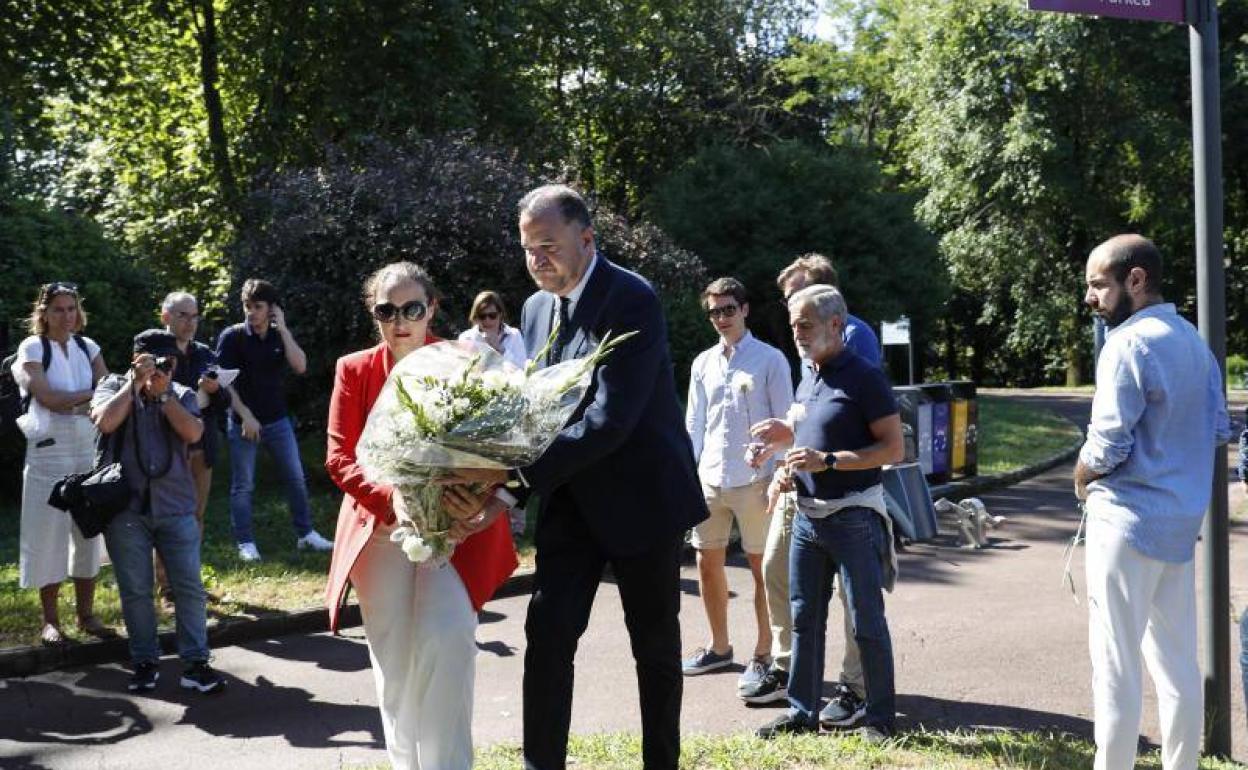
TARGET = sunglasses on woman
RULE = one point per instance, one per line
(386, 312)
(490, 316)
(59, 287)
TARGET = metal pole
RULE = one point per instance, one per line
(1215, 613)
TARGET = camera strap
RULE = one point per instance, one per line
(138, 454)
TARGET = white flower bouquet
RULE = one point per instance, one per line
(461, 405)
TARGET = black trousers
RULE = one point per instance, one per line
(569, 568)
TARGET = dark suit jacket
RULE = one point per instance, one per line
(624, 455)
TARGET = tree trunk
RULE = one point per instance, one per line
(204, 16)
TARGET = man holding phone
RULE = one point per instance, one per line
(261, 348)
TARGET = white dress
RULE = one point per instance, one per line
(51, 548)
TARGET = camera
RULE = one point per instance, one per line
(164, 363)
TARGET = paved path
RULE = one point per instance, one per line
(982, 638)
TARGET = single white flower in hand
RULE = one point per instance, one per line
(796, 414)
(742, 383)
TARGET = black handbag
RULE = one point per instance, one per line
(94, 498)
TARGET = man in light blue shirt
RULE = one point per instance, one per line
(734, 384)
(1145, 473)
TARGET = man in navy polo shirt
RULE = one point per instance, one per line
(846, 428)
(261, 349)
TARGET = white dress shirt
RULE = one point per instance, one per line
(729, 390)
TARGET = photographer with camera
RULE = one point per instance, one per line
(161, 421)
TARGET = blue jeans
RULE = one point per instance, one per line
(847, 543)
(279, 438)
(130, 538)
(1243, 651)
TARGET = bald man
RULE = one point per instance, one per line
(1145, 473)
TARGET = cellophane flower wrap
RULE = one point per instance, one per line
(456, 405)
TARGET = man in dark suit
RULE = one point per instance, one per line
(618, 486)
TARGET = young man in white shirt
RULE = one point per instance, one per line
(733, 385)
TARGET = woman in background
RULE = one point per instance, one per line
(58, 369)
(489, 327)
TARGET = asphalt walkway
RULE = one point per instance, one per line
(982, 639)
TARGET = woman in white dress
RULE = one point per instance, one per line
(60, 441)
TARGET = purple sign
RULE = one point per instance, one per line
(1148, 10)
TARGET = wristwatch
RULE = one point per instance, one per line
(162, 398)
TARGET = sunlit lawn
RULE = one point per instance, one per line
(1013, 434)
(998, 750)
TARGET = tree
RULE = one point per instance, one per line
(446, 204)
(749, 212)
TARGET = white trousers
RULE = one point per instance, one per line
(50, 547)
(1141, 609)
(422, 642)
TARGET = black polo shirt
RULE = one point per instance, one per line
(841, 400)
(261, 364)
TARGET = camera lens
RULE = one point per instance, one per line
(165, 364)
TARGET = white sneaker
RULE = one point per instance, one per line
(314, 541)
(248, 552)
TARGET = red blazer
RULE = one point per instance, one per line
(484, 561)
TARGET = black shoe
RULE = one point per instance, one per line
(874, 735)
(200, 676)
(772, 688)
(144, 676)
(844, 710)
(787, 723)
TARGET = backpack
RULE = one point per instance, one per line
(12, 403)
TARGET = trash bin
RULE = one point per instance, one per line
(909, 501)
(938, 394)
(965, 439)
(916, 412)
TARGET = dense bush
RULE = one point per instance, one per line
(38, 246)
(447, 204)
(748, 212)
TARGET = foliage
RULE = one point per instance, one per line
(748, 212)
(1031, 137)
(1237, 371)
(446, 204)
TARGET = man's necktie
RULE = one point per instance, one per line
(565, 331)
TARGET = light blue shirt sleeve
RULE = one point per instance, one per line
(1221, 418)
(779, 387)
(695, 410)
(1121, 396)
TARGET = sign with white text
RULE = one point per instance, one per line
(895, 332)
(1148, 10)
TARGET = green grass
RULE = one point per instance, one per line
(996, 749)
(286, 579)
(1012, 434)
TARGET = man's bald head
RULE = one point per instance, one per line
(1123, 253)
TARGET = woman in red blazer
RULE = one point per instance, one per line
(420, 620)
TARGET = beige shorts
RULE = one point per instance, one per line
(747, 504)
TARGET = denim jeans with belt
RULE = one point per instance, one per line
(279, 438)
(131, 538)
(847, 542)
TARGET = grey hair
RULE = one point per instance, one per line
(175, 297)
(827, 301)
(570, 203)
